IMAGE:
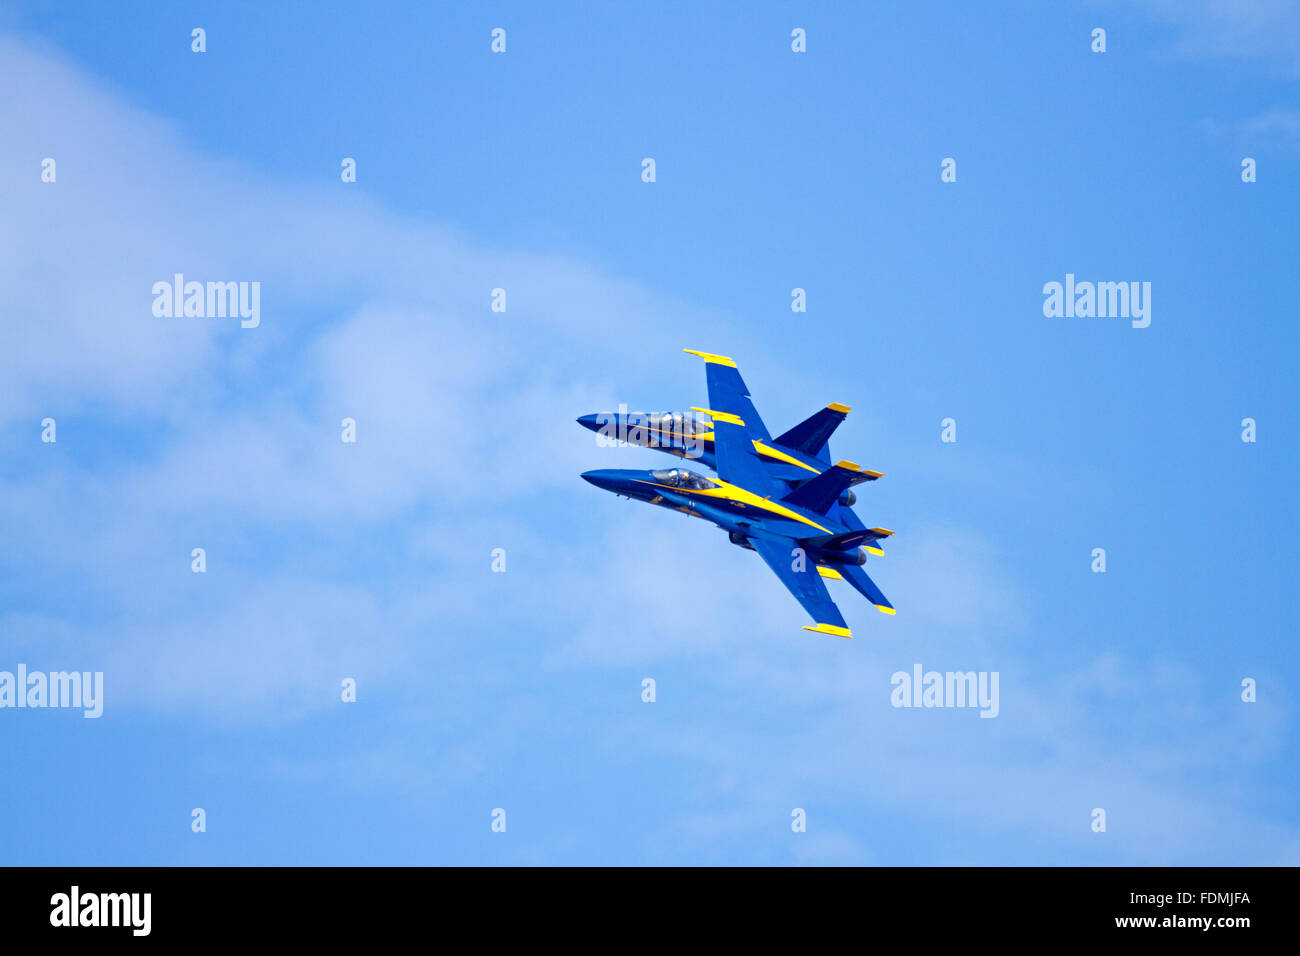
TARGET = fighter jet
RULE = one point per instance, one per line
(799, 529)
(792, 457)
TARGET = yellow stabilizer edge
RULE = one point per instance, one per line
(874, 550)
(829, 573)
(837, 407)
(885, 531)
(719, 416)
(848, 465)
(884, 610)
(829, 629)
(873, 474)
(710, 357)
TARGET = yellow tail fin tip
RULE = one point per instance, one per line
(711, 357)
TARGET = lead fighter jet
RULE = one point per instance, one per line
(793, 456)
(799, 528)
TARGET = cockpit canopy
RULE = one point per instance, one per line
(681, 478)
(687, 426)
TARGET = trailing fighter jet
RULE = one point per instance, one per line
(793, 457)
(801, 532)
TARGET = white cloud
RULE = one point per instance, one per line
(330, 560)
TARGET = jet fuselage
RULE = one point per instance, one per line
(742, 514)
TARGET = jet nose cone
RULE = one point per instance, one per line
(603, 478)
(589, 421)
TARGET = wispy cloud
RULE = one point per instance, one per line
(1264, 31)
(372, 560)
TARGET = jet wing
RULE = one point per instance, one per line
(735, 426)
(807, 586)
(737, 463)
(729, 393)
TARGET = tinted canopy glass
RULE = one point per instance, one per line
(681, 478)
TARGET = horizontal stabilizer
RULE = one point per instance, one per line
(865, 475)
(867, 588)
(846, 540)
(811, 434)
(818, 494)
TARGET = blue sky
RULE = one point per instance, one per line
(522, 690)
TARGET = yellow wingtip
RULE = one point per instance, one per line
(711, 357)
(837, 407)
(884, 610)
(829, 629)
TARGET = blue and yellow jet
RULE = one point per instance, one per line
(780, 497)
(792, 457)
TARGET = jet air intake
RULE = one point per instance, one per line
(738, 538)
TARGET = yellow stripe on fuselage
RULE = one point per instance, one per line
(769, 452)
(654, 430)
(734, 493)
